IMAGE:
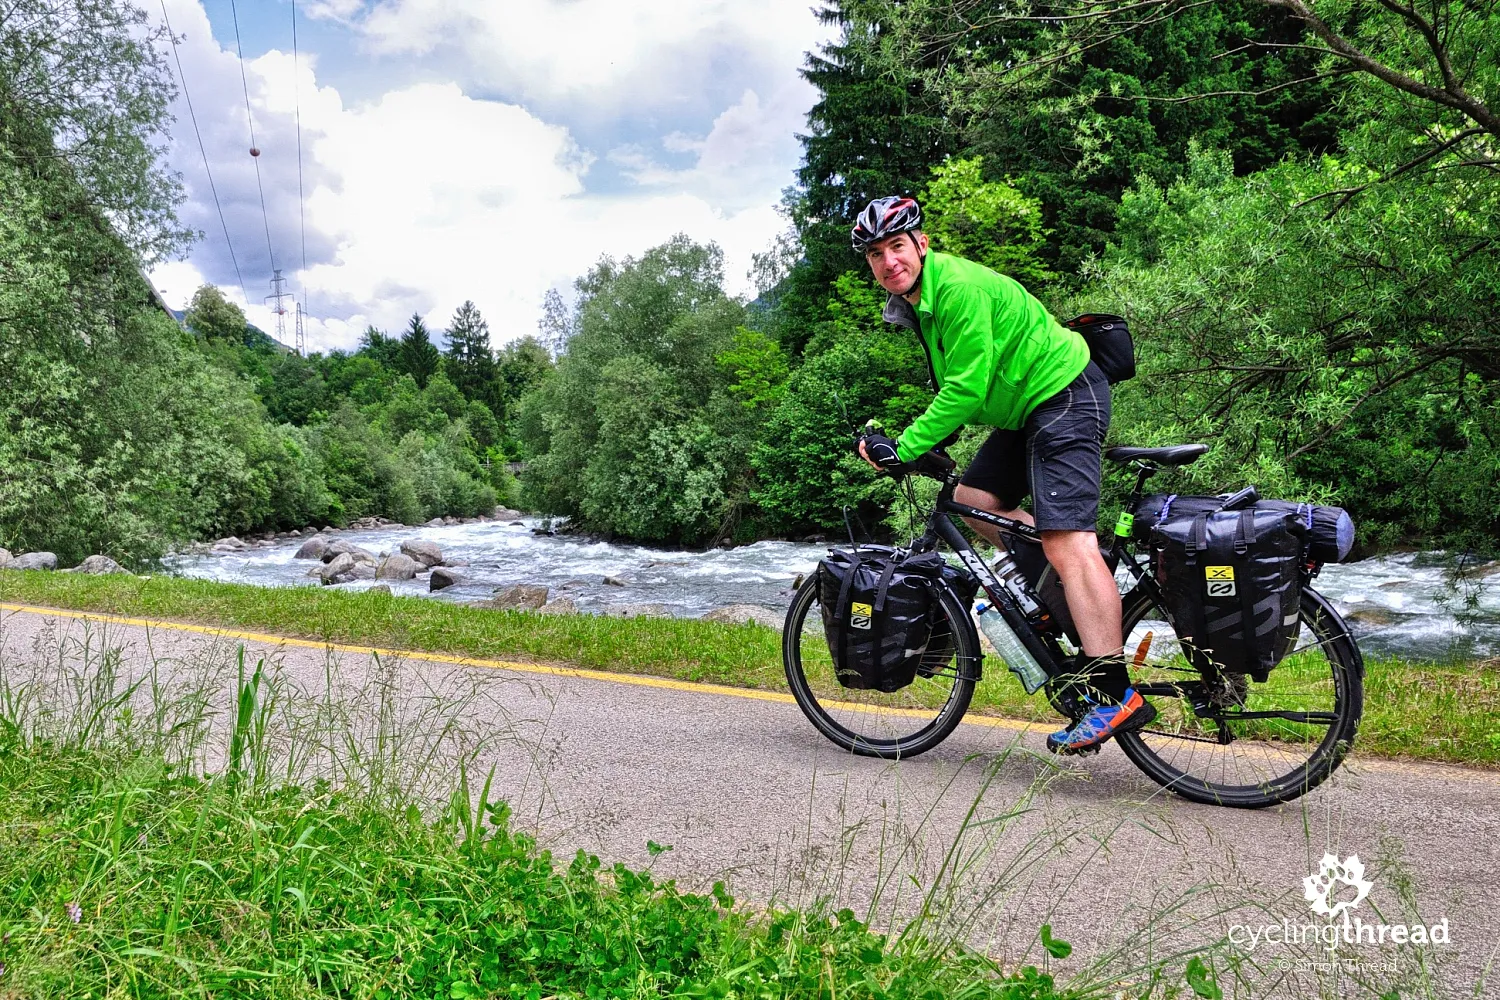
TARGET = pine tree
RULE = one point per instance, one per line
(418, 358)
(556, 323)
(470, 363)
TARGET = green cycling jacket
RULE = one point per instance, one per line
(994, 350)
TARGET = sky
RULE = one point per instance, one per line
(473, 149)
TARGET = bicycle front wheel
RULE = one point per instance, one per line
(1224, 739)
(902, 723)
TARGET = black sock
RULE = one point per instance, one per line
(1107, 676)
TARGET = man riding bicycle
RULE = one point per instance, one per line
(998, 358)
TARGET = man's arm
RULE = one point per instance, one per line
(971, 361)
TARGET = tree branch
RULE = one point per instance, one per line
(1349, 193)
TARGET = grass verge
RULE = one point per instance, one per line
(1424, 711)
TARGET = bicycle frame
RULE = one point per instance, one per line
(942, 526)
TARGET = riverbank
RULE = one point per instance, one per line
(1444, 712)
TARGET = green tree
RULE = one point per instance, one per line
(634, 431)
(470, 362)
(213, 317)
(417, 356)
(380, 348)
(985, 221)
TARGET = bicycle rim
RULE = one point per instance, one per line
(902, 723)
(1247, 762)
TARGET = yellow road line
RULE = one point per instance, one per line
(638, 680)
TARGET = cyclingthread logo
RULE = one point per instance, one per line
(1332, 892)
(1323, 886)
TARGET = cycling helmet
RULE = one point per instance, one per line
(885, 217)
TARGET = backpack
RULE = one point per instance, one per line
(1110, 346)
(1232, 583)
(876, 603)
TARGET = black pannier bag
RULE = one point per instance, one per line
(1329, 530)
(940, 642)
(1232, 583)
(1109, 342)
(876, 604)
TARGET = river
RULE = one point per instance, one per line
(1396, 604)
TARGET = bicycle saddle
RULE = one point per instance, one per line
(1176, 454)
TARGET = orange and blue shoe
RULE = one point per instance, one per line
(1103, 722)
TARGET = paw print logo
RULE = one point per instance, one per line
(1323, 887)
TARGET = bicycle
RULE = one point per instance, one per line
(1218, 738)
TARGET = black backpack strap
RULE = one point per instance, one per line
(884, 586)
(1198, 540)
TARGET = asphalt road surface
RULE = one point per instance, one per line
(985, 835)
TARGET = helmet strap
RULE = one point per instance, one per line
(917, 281)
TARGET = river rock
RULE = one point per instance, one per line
(34, 560)
(637, 611)
(97, 564)
(398, 567)
(362, 571)
(560, 606)
(436, 522)
(740, 614)
(425, 552)
(380, 588)
(343, 547)
(331, 571)
(521, 596)
(506, 514)
(613, 581)
(230, 544)
(6, 558)
(313, 548)
(442, 578)
(1372, 616)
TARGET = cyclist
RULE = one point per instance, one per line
(998, 358)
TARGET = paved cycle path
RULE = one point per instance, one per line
(742, 789)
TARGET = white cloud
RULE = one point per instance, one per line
(427, 196)
(609, 53)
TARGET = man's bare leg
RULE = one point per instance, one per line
(1093, 597)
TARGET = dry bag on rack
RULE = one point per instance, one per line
(876, 603)
(1232, 583)
(1329, 533)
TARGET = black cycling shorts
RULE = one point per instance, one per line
(1054, 458)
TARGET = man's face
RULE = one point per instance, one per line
(896, 260)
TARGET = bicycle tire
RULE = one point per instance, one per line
(821, 712)
(1346, 673)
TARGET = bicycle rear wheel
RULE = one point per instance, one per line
(1245, 743)
(903, 723)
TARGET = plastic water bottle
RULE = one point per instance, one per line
(1015, 654)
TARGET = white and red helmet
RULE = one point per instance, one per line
(885, 217)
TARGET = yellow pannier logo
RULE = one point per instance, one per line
(1220, 580)
(859, 615)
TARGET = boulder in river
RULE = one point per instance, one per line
(362, 571)
(561, 606)
(398, 567)
(342, 546)
(34, 560)
(313, 548)
(230, 544)
(522, 596)
(331, 571)
(380, 588)
(97, 564)
(442, 578)
(436, 522)
(740, 614)
(613, 581)
(425, 552)
(506, 514)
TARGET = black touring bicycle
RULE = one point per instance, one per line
(1227, 732)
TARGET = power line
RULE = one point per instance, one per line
(301, 198)
(203, 152)
(250, 119)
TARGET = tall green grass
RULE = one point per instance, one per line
(1447, 712)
